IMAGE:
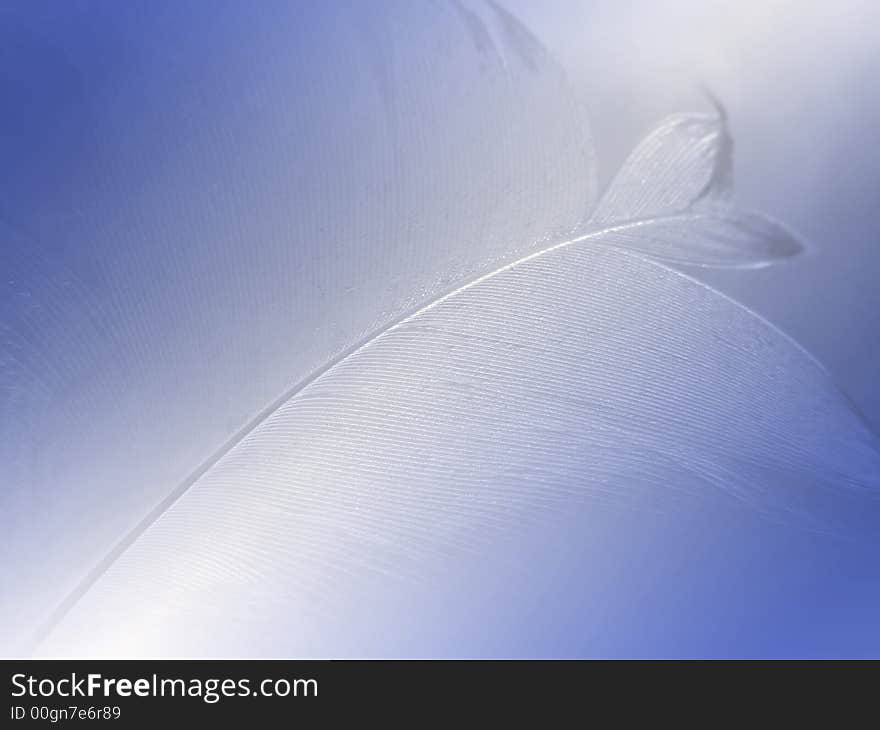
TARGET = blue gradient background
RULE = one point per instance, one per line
(108, 137)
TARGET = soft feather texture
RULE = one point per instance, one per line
(282, 343)
(401, 462)
(251, 208)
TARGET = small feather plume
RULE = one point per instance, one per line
(720, 237)
(671, 201)
(687, 158)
